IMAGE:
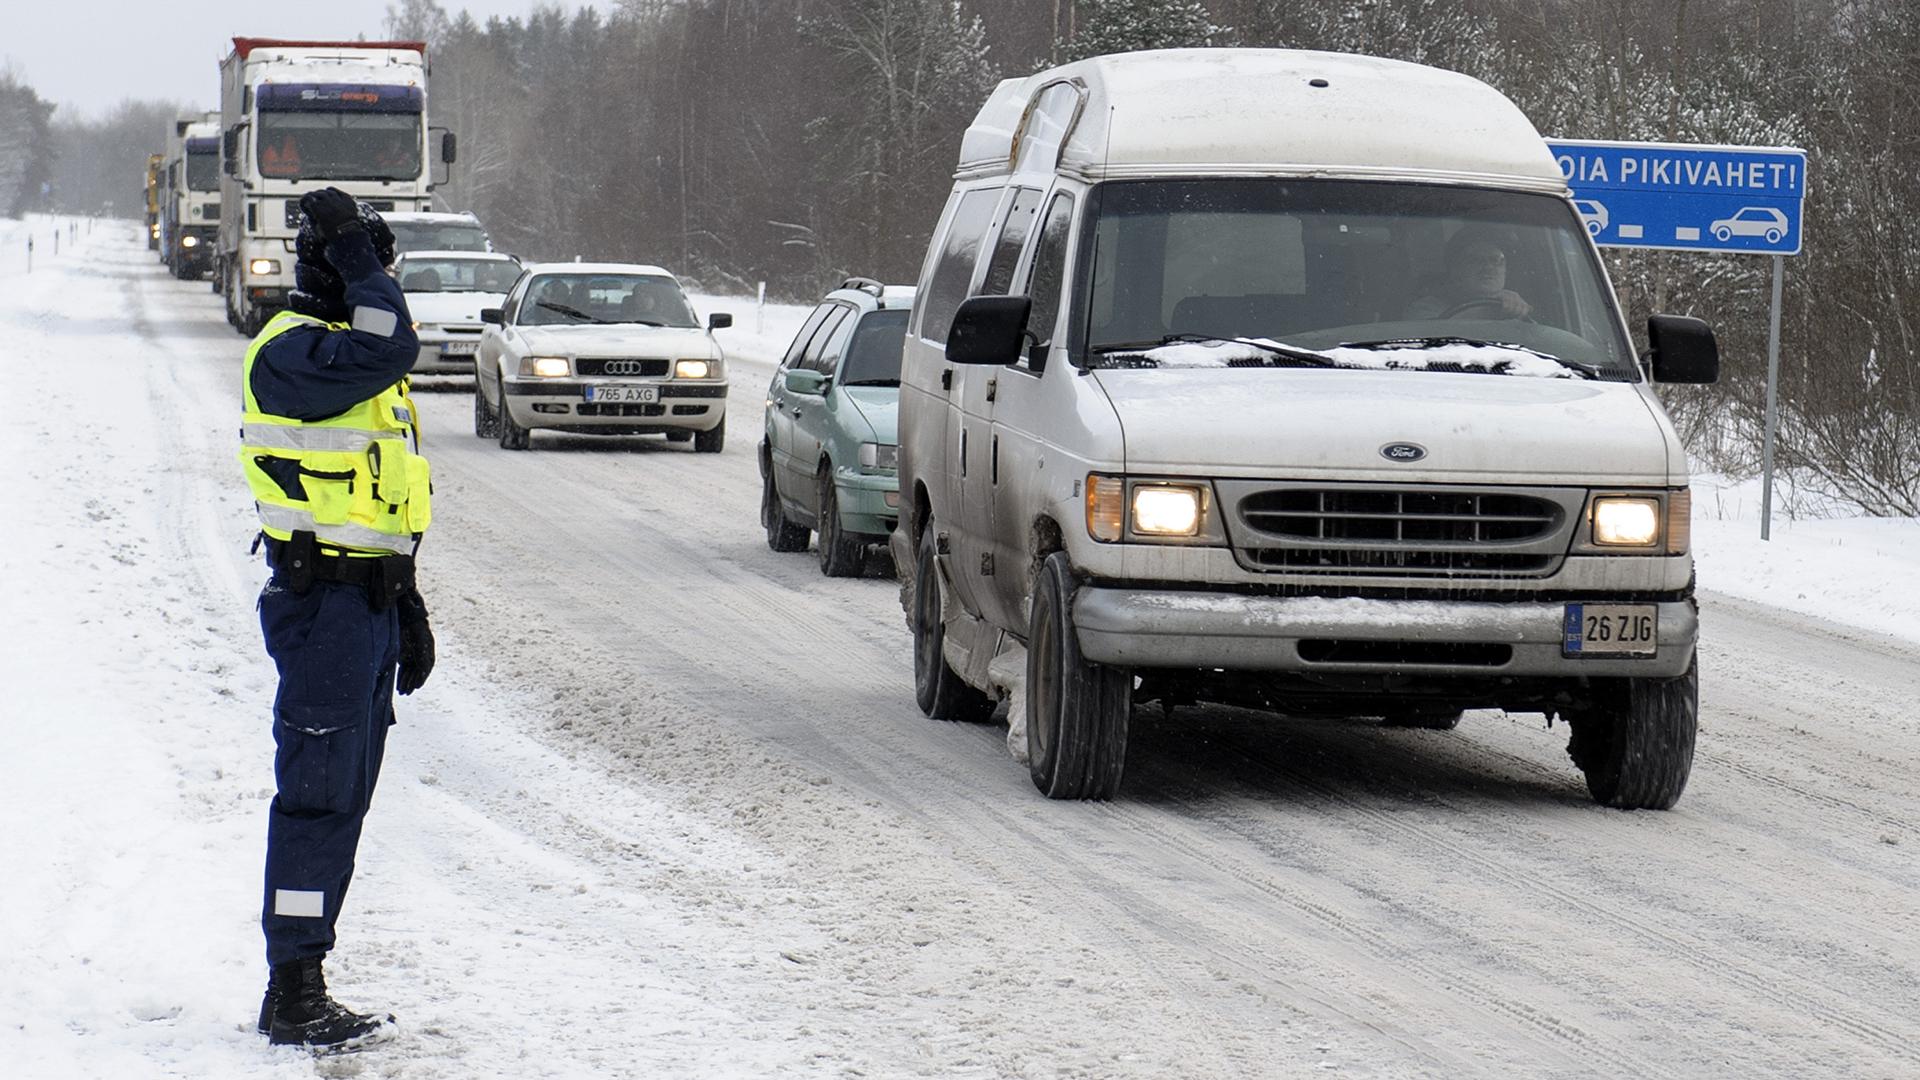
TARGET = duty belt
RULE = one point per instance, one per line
(301, 562)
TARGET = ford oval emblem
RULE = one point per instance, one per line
(1403, 451)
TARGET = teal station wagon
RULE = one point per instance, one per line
(828, 461)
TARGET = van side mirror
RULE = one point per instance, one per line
(989, 330)
(719, 320)
(806, 381)
(494, 315)
(1683, 350)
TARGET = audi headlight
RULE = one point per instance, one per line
(1626, 521)
(1166, 510)
(189, 241)
(692, 369)
(879, 456)
(263, 267)
(546, 367)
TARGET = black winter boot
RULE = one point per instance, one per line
(297, 1011)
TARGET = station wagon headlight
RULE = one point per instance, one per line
(1626, 521)
(263, 267)
(1166, 510)
(546, 367)
(879, 456)
(691, 369)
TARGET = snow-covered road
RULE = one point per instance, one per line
(667, 808)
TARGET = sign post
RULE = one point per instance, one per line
(1726, 199)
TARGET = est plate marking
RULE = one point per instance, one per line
(1610, 630)
(644, 395)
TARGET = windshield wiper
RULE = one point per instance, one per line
(1295, 355)
(565, 310)
(1591, 371)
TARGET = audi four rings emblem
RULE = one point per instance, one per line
(622, 367)
(1403, 451)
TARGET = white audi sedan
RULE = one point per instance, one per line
(446, 292)
(600, 348)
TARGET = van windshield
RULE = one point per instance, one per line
(1326, 273)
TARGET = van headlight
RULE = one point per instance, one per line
(692, 369)
(875, 457)
(1167, 510)
(546, 367)
(263, 267)
(1626, 521)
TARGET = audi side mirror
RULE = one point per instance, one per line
(989, 330)
(493, 315)
(1683, 350)
(719, 320)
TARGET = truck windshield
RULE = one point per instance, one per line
(339, 146)
(1326, 273)
(203, 170)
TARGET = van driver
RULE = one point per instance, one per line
(1474, 285)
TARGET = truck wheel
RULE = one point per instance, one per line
(1636, 748)
(841, 553)
(782, 535)
(512, 435)
(486, 422)
(942, 694)
(711, 442)
(1077, 712)
(1427, 719)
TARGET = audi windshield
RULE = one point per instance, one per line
(1323, 273)
(602, 299)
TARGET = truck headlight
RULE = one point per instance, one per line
(879, 456)
(1166, 510)
(263, 267)
(546, 367)
(692, 369)
(1626, 521)
(189, 241)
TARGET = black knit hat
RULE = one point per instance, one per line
(318, 288)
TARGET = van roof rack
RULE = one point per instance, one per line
(865, 285)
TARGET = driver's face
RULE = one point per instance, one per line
(1482, 267)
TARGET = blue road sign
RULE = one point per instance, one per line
(1687, 198)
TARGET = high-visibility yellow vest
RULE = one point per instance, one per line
(356, 480)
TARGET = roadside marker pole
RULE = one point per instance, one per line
(29, 254)
(1773, 404)
(760, 311)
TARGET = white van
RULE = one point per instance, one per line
(1289, 380)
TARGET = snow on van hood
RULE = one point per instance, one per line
(619, 339)
(451, 307)
(879, 406)
(1333, 423)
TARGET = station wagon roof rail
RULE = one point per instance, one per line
(1257, 112)
(865, 285)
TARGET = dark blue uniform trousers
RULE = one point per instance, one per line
(336, 658)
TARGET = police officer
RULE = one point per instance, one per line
(331, 449)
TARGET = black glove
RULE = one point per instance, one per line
(416, 643)
(334, 212)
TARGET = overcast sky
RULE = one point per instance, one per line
(91, 54)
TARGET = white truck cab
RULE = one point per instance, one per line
(1291, 380)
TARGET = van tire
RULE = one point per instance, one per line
(1077, 711)
(841, 552)
(512, 435)
(782, 535)
(1636, 745)
(938, 689)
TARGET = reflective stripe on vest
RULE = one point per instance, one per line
(356, 480)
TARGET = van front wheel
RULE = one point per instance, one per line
(1077, 711)
(1636, 744)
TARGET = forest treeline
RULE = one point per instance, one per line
(798, 141)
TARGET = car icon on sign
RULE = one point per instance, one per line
(1751, 221)
(1593, 213)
